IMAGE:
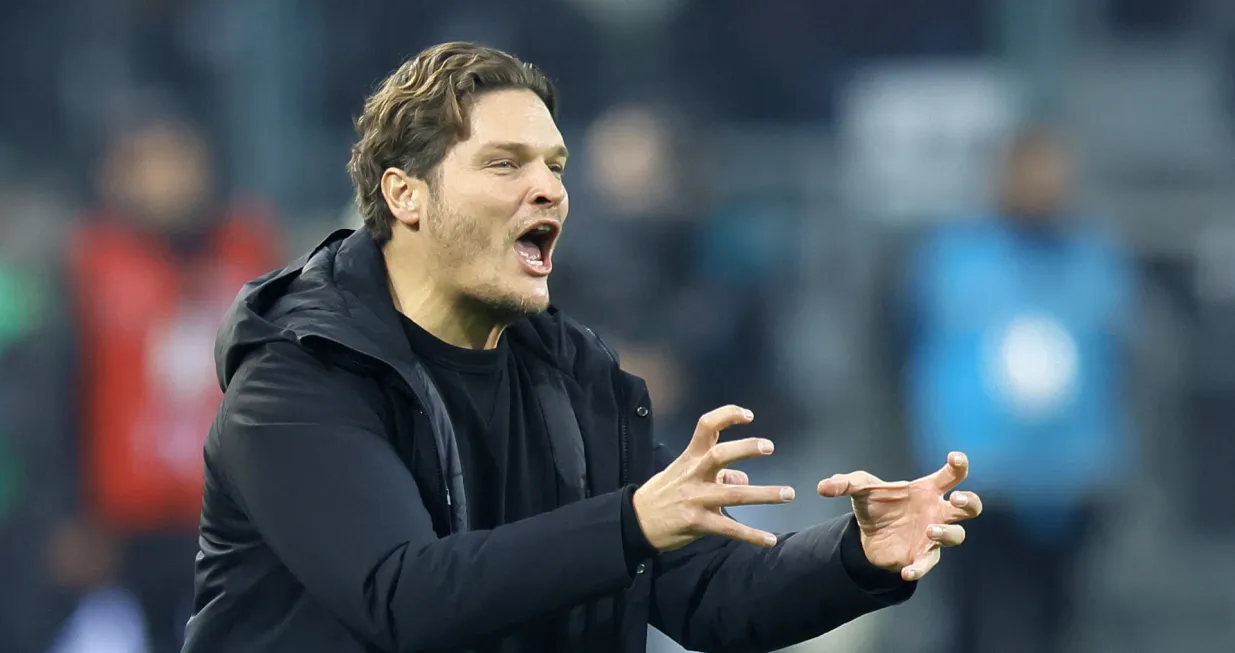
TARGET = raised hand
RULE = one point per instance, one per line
(684, 502)
(904, 524)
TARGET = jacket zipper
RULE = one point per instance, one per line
(441, 480)
(623, 416)
(624, 439)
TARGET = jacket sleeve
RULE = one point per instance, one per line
(720, 595)
(303, 455)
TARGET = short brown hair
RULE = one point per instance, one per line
(421, 110)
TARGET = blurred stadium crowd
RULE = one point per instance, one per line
(830, 212)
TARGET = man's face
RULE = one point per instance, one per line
(498, 204)
(159, 175)
(1040, 182)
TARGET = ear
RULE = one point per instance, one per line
(406, 196)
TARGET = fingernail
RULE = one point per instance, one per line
(766, 446)
(747, 414)
(961, 500)
(912, 574)
(935, 531)
(769, 540)
(786, 493)
(956, 459)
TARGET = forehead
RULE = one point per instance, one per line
(514, 116)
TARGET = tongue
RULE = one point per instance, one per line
(528, 249)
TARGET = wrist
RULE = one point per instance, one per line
(635, 541)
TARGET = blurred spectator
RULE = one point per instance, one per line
(1014, 329)
(630, 223)
(694, 278)
(36, 426)
(635, 223)
(740, 271)
(152, 272)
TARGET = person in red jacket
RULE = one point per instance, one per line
(152, 272)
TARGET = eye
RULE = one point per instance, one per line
(504, 164)
(557, 168)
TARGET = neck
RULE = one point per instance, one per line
(448, 316)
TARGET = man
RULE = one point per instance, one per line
(416, 452)
(1015, 332)
(152, 270)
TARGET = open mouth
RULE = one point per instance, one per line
(535, 246)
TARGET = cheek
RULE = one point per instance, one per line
(469, 238)
(473, 245)
(477, 221)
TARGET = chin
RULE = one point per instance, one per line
(519, 309)
(515, 303)
(533, 303)
(533, 294)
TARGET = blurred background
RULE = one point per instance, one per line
(892, 228)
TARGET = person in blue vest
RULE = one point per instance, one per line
(1014, 329)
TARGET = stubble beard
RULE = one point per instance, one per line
(463, 241)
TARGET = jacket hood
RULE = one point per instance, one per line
(335, 293)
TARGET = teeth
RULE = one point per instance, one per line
(542, 229)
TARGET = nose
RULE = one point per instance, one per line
(547, 187)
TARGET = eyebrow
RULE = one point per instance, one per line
(515, 147)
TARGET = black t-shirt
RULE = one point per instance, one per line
(508, 467)
(507, 464)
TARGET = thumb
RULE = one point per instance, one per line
(845, 485)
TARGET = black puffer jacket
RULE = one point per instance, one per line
(334, 517)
